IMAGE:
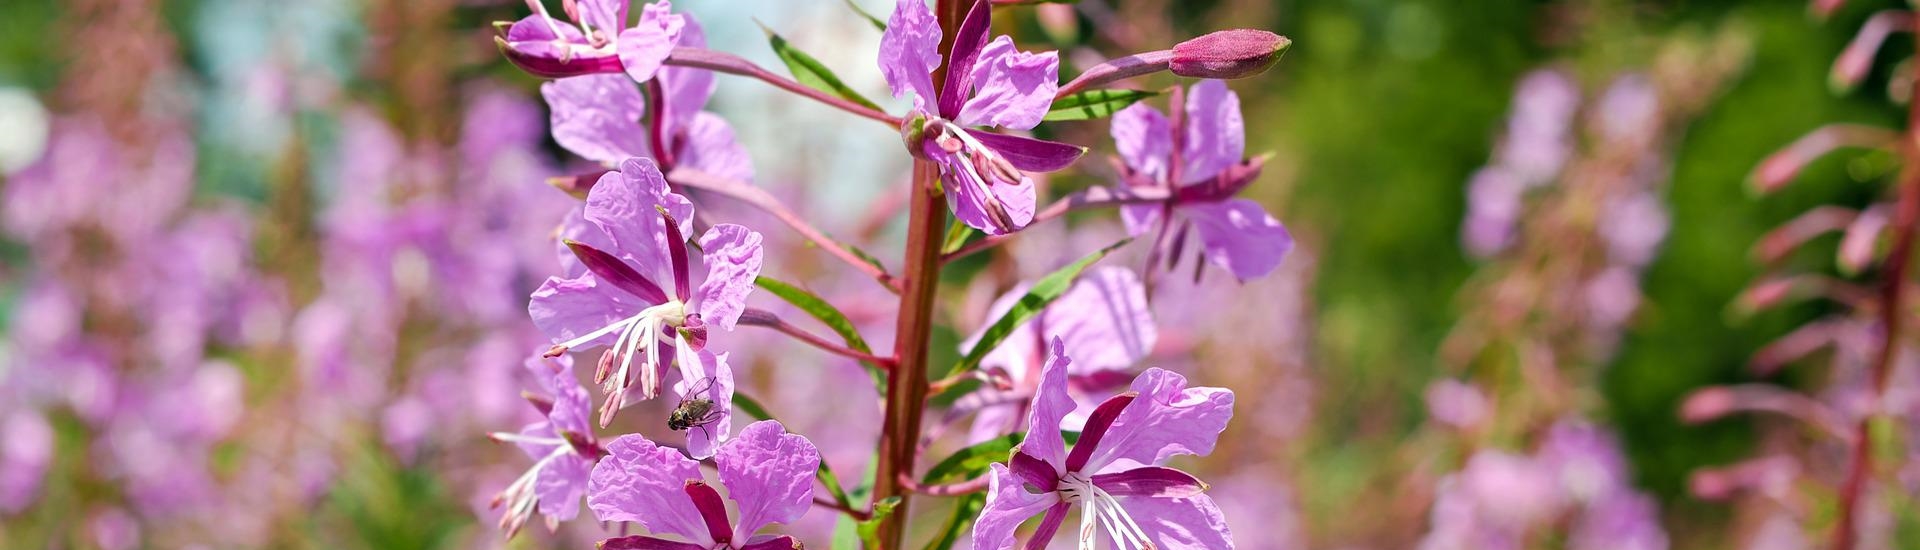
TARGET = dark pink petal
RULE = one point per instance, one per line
(712, 510)
(597, 117)
(1096, 429)
(1011, 88)
(532, 45)
(769, 474)
(1029, 154)
(781, 542)
(616, 272)
(695, 366)
(1050, 404)
(1240, 236)
(1167, 419)
(1215, 133)
(909, 51)
(733, 257)
(1150, 481)
(1049, 525)
(1192, 522)
(677, 252)
(1228, 54)
(1144, 139)
(566, 309)
(967, 43)
(1009, 503)
(575, 227)
(644, 483)
(1033, 471)
(645, 47)
(640, 542)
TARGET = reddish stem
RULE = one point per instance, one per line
(735, 65)
(759, 198)
(761, 318)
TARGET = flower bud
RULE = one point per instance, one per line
(1229, 54)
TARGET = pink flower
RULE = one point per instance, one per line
(767, 472)
(598, 42)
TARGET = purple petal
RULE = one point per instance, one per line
(1141, 135)
(609, 16)
(1050, 404)
(781, 542)
(1032, 155)
(713, 510)
(1104, 321)
(1008, 505)
(695, 366)
(769, 473)
(531, 45)
(1011, 88)
(597, 117)
(1167, 419)
(644, 483)
(1097, 424)
(623, 204)
(1150, 481)
(607, 268)
(576, 228)
(641, 542)
(565, 309)
(645, 47)
(1181, 523)
(967, 42)
(1049, 526)
(909, 51)
(733, 257)
(1140, 218)
(572, 406)
(1216, 135)
(971, 199)
(1036, 473)
(677, 251)
(1240, 236)
(709, 146)
(560, 485)
(687, 89)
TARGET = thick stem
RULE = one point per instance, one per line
(1892, 311)
(907, 384)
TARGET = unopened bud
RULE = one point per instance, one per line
(912, 133)
(1229, 54)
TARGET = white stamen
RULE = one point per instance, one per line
(510, 437)
(1097, 507)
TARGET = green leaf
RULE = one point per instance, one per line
(964, 510)
(1043, 292)
(810, 72)
(754, 409)
(829, 315)
(1092, 104)
(973, 461)
(877, 23)
(870, 529)
(957, 236)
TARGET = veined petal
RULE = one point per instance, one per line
(687, 89)
(964, 57)
(1166, 419)
(733, 257)
(1240, 236)
(1144, 140)
(645, 483)
(597, 117)
(1008, 505)
(1011, 88)
(645, 47)
(566, 309)
(1150, 481)
(1216, 135)
(704, 441)
(609, 16)
(1050, 404)
(576, 228)
(769, 474)
(642, 542)
(909, 51)
(612, 270)
(560, 486)
(1180, 523)
(622, 204)
(1032, 155)
(709, 146)
(1104, 321)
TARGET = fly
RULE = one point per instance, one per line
(693, 411)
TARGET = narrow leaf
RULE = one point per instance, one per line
(830, 316)
(1092, 104)
(957, 236)
(870, 529)
(1043, 292)
(864, 14)
(972, 461)
(964, 511)
(810, 72)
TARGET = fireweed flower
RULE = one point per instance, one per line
(989, 84)
(1103, 320)
(562, 447)
(627, 236)
(598, 118)
(1114, 472)
(767, 472)
(1199, 182)
(598, 41)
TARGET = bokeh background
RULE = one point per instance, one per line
(265, 262)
